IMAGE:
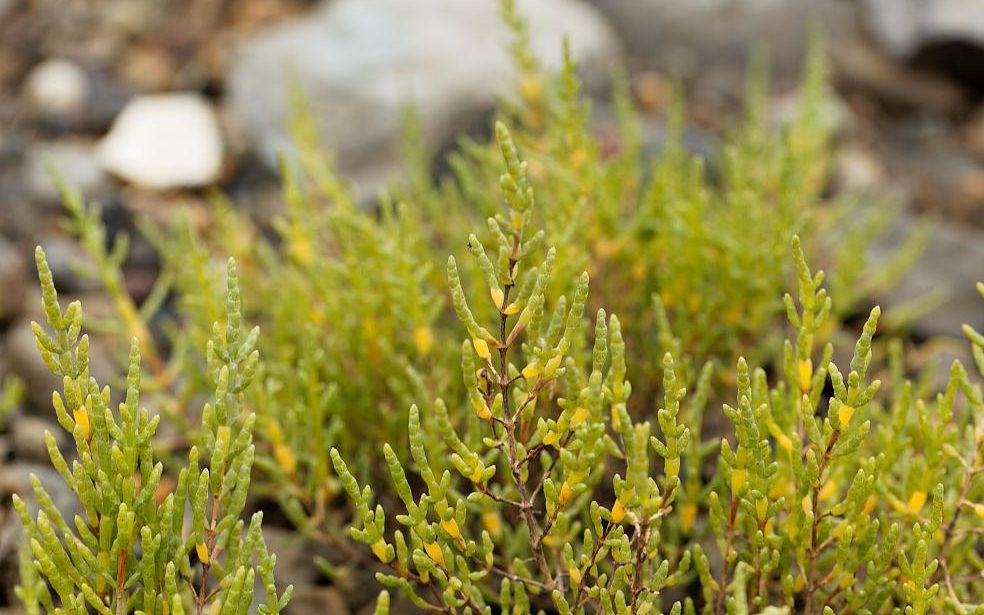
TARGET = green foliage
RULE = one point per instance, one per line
(130, 550)
(356, 332)
(553, 500)
(539, 478)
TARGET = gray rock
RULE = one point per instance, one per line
(709, 42)
(26, 364)
(15, 478)
(948, 272)
(295, 555)
(902, 27)
(973, 133)
(27, 436)
(13, 280)
(362, 62)
(65, 257)
(935, 169)
(75, 161)
(317, 600)
(862, 65)
(858, 171)
(165, 141)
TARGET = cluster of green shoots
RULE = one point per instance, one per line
(356, 329)
(132, 548)
(556, 499)
(537, 483)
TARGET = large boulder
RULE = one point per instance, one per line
(361, 63)
(708, 43)
(903, 26)
(943, 35)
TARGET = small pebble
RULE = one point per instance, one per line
(58, 88)
(164, 141)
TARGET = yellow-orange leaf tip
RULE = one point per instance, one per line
(482, 348)
(82, 420)
(202, 552)
(805, 375)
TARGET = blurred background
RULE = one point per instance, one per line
(149, 107)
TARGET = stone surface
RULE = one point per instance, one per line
(858, 171)
(904, 26)
(13, 280)
(973, 132)
(75, 161)
(948, 271)
(317, 600)
(946, 36)
(709, 42)
(57, 87)
(26, 364)
(15, 478)
(165, 141)
(934, 169)
(295, 555)
(862, 66)
(65, 258)
(362, 62)
(27, 438)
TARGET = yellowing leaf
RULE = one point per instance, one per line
(492, 523)
(423, 339)
(202, 552)
(434, 552)
(498, 297)
(869, 504)
(829, 490)
(575, 575)
(844, 414)
(688, 516)
(285, 458)
(531, 371)
(82, 420)
(482, 348)
(451, 527)
(761, 508)
(618, 512)
(379, 550)
(481, 408)
(566, 492)
(916, 501)
(580, 414)
(805, 375)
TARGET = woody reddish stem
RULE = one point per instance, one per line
(812, 582)
(515, 463)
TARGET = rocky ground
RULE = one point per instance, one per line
(146, 106)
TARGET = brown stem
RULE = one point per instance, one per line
(812, 582)
(730, 533)
(120, 580)
(642, 537)
(580, 595)
(515, 463)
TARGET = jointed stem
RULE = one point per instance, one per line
(509, 420)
